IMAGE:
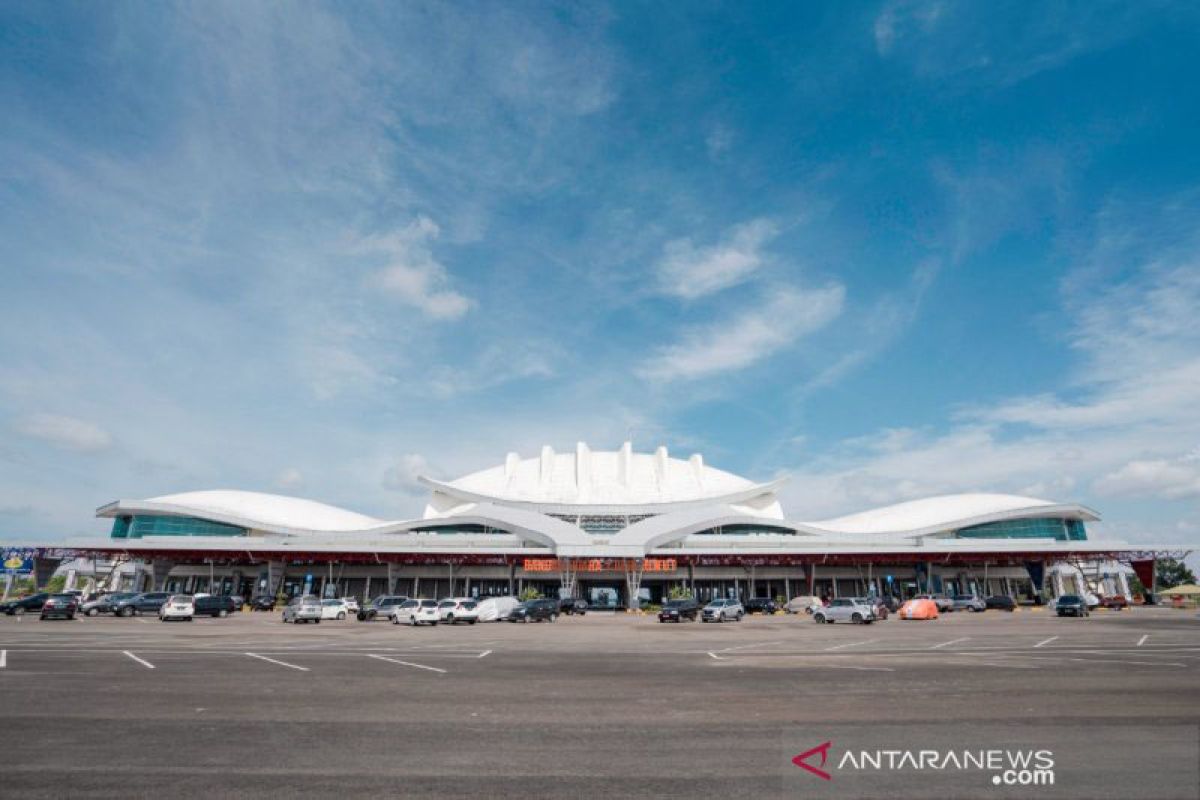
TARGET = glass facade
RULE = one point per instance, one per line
(746, 530)
(137, 527)
(1059, 529)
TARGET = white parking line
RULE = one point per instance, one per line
(1142, 640)
(405, 663)
(141, 661)
(280, 663)
(484, 653)
(947, 644)
(1046, 641)
(3, 659)
(713, 655)
(849, 644)
(746, 646)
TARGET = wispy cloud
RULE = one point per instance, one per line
(412, 273)
(690, 271)
(732, 344)
(67, 433)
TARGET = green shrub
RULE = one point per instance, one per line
(529, 593)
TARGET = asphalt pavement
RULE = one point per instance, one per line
(600, 706)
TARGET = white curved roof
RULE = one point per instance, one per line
(259, 510)
(617, 478)
(947, 512)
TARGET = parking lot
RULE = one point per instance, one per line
(612, 705)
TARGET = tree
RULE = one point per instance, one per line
(529, 593)
(1171, 572)
(679, 593)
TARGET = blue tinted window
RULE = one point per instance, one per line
(1059, 529)
(137, 527)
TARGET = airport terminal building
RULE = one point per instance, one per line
(613, 527)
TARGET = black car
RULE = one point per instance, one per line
(145, 603)
(215, 605)
(572, 606)
(32, 603)
(679, 610)
(263, 602)
(61, 606)
(534, 611)
(1071, 605)
(760, 605)
(1002, 602)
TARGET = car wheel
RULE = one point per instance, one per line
(738, 618)
(341, 615)
(187, 619)
(525, 619)
(317, 621)
(856, 618)
(554, 617)
(91, 612)
(223, 613)
(819, 619)
(18, 612)
(412, 621)
(450, 619)
(471, 621)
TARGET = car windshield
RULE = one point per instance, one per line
(409, 604)
(468, 606)
(331, 602)
(62, 598)
(181, 598)
(447, 604)
(964, 597)
(429, 604)
(1069, 598)
(718, 602)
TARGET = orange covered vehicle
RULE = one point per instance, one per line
(919, 609)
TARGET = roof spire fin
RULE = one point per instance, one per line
(660, 465)
(624, 459)
(546, 468)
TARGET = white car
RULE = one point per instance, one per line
(458, 609)
(720, 610)
(494, 609)
(334, 609)
(178, 606)
(804, 604)
(351, 604)
(303, 608)
(417, 612)
(845, 609)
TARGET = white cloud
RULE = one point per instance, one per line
(67, 433)
(1168, 479)
(688, 271)
(290, 478)
(412, 274)
(739, 342)
(402, 476)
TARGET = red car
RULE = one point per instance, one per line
(1114, 601)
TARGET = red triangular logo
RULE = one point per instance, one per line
(823, 749)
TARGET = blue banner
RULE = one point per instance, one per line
(19, 562)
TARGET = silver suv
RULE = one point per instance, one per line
(845, 609)
(303, 608)
(968, 602)
(722, 610)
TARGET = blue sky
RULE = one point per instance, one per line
(889, 249)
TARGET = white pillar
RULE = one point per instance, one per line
(1123, 586)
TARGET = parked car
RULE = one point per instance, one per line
(334, 609)
(215, 605)
(417, 612)
(1114, 601)
(62, 606)
(382, 607)
(262, 602)
(104, 604)
(679, 610)
(760, 605)
(968, 602)
(804, 604)
(845, 609)
(144, 603)
(572, 606)
(1071, 605)
(534, 611)
(458, 609)
(303, 608)
(720, 610)
(496, 609)
(25, 604)
(351, 604)
(1001, 602)
(944, 603)
(178, 606)
(1092, 600)
(876, 604)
